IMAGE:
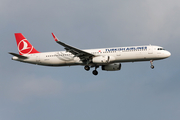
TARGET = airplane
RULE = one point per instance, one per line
(109, 59)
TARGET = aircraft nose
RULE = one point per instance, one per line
(168, 54)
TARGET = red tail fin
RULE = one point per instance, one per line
(24, 47)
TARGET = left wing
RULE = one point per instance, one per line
(75, 51)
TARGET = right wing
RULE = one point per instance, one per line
(83, 55)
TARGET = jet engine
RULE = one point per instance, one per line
(112, 67)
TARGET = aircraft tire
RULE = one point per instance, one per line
(95, 72)
(152, 66)
(87, 68)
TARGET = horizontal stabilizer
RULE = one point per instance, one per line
(19, 56)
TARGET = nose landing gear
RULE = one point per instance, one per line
(152, 66)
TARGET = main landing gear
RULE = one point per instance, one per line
(152, 66)
(95, 72)
(87, 68)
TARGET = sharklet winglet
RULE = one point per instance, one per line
(55, 38)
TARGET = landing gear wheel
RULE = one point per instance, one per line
(87, 68)
(152, 66)
(95, 72)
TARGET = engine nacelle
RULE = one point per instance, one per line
(112, 67)
(101, 59)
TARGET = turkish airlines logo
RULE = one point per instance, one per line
(24, 47)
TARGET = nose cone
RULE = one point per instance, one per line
(168, 54)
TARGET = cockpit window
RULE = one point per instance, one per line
(160, 49)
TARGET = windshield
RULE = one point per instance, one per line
(160, 49)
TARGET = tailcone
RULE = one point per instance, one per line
(168, 54)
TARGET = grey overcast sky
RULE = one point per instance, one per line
(30, 92)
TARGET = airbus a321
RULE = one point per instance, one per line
(109, 59)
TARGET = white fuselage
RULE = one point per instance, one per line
(116, 54)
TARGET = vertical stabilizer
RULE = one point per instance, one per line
(24, 46)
